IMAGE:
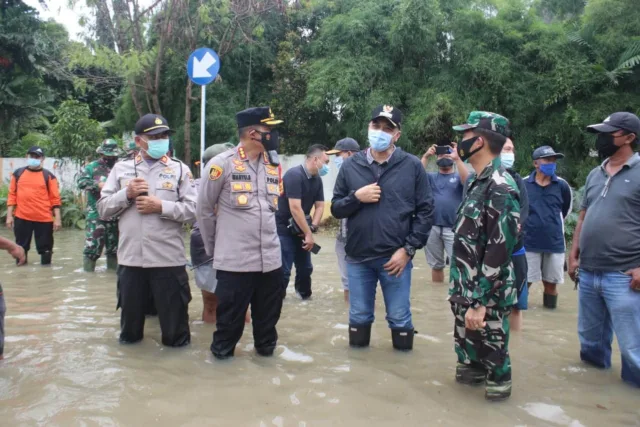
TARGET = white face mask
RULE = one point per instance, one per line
(508, 159)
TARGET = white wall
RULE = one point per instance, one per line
(65, 171)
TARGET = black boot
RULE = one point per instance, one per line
(550, 301)
(359, 335)
(402, 338)
(45, 258)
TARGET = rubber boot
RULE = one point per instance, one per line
(89, 265)
(359, 335)
(470, 374)
(550, 301)
(112, 262)
(496, 391)
(45, 258)
(402, 338)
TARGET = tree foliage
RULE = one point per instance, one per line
(551, 66)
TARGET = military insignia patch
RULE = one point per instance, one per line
(240, 168)
(275, 201)
(215, 172)
(167, 185)
(243, 200)
(236, 187)
(167, 170)
(272, 172)
(247, 186)
(164, 159)
(387, 108)
(238, 162)
(242, 154)
(158, 121)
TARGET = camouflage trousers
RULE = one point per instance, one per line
(487, 348)
(98, 235)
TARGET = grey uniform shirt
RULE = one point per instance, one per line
(610, 236)
(153, 240)
(242, 236)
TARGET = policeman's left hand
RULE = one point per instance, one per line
(635, 278)
(395, 266)
(474, 319)
(148, 205)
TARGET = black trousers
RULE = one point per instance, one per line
(235, 292)
(43, 231)
(169, 287)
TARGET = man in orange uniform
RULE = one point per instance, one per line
(34, 195)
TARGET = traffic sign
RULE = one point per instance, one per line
(203, 66)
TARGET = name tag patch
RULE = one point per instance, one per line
(241, 177)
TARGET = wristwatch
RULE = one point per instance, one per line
(411, 251)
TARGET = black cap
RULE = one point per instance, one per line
(388, 112)
(151, 124)
(618, 121)
(256, 116)
(36, 150)
(345, 144)
(545, 152)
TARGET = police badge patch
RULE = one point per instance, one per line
(215, 172)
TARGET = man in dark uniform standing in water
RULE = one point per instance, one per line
(240, 234)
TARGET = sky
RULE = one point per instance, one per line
(59, 10)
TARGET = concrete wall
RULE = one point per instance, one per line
(65, 171)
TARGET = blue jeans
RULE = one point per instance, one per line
(606, 305)
(363, 279)
(292, 253)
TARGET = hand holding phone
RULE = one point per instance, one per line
(442, 149)
(315, 249)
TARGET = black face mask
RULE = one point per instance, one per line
(110, 161)
(271, 143)
(464, 148)
(444, 162)
(605, 146)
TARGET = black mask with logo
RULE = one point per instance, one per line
(464, 148)
(605, 145)
(271, 142)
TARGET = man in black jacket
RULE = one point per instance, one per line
(385, 195)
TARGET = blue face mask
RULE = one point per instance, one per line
(323, 170)
(549, 169)
(338, 161)
(158, 148)
(33, 163)
(379, 140)
(507, 159)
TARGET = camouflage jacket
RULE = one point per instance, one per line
(90, 177)
(486, 231)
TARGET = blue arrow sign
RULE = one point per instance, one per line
(203, 66)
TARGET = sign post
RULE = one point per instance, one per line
(203, 66)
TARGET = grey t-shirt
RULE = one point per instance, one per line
(610, 237)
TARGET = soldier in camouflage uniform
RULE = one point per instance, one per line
(129, 144)
(99, 233)
(483, 288)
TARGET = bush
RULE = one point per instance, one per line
(572, 219)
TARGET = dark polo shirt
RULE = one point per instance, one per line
(610, 237)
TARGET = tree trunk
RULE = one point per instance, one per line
(134, 98)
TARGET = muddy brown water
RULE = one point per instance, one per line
(64, 366)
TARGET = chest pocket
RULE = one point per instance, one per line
(273, 192)
(242, 195)
(167, 186)
(469, 221)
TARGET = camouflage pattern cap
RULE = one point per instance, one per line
(109, 147)
(214, 150)
(485, 120)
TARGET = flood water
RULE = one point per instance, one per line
(64, 366)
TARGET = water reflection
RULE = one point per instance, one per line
(64, 365)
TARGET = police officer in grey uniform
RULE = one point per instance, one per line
(241, 236)
(153, 196)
